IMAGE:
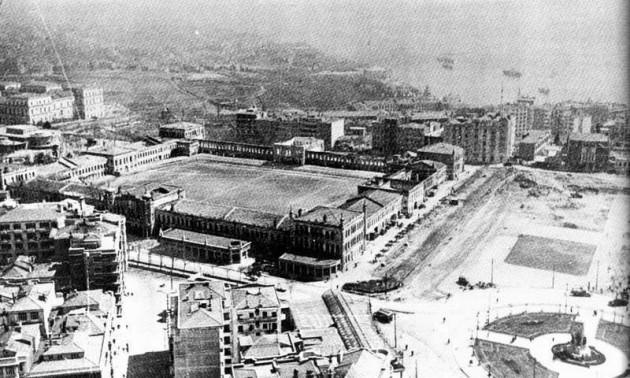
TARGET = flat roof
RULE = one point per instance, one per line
(177, 234)
(31, 212)
(583, 137)
(181, 126)
(307, 260)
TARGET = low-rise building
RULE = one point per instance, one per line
(619, 161)
(15, 175)
(587, 152)
(190, 245)
(256, 310)
(380, 209)
(33, 138)
(448, 154)
(40, 87)
(329, 233)
(132, 157)
(182, 130)
(269, 233)
(533, 144)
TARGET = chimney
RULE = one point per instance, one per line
(299, 212)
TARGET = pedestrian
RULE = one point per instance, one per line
(444, 319)
(448, 341)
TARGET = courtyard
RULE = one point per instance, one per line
(253, 185)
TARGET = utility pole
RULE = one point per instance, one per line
(597, 276)
(492, 271)
(87, 280)
(553, 276)
(395, 333)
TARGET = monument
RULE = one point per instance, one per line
(577, 351)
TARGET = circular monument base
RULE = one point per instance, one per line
(585, 356)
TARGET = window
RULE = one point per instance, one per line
(22, 316)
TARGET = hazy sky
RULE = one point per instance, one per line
(576, 48)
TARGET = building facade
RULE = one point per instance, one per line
(587, 152)
(182, 130)
(89, 102)
(205, 248)
(485, 140)
(448, 154)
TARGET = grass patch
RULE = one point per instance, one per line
(552, 254)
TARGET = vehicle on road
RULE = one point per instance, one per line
(383, 315)
(618, 302)
(580, 293)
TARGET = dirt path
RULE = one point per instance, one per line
(445, 238)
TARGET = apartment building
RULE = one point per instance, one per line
(485, 140)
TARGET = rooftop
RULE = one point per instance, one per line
(200, 304)
(254, 296)
(442, 148)
(31, 212)
(307, 260)
(182, 126)
(600, 138)
(100, 303)
(269, 346)
(177, 234)
(329, 216)
(534, 136)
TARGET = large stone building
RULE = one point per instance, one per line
(485, 140)
(448, 154)
(88, 101)
(256, 128)
(40, 102)
(268, 232)
(329, 234)
(132, 157)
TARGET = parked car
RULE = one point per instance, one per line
(618, 302)
(580, 293)
(383, 316)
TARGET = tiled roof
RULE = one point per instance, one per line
(190, 314)
(254, 297)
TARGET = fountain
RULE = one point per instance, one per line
(577, 351)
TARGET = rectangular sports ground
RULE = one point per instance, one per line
(256, 187)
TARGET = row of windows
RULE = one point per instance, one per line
(27, 226)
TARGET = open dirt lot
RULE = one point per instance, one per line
(260, 188)
(498, 205)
